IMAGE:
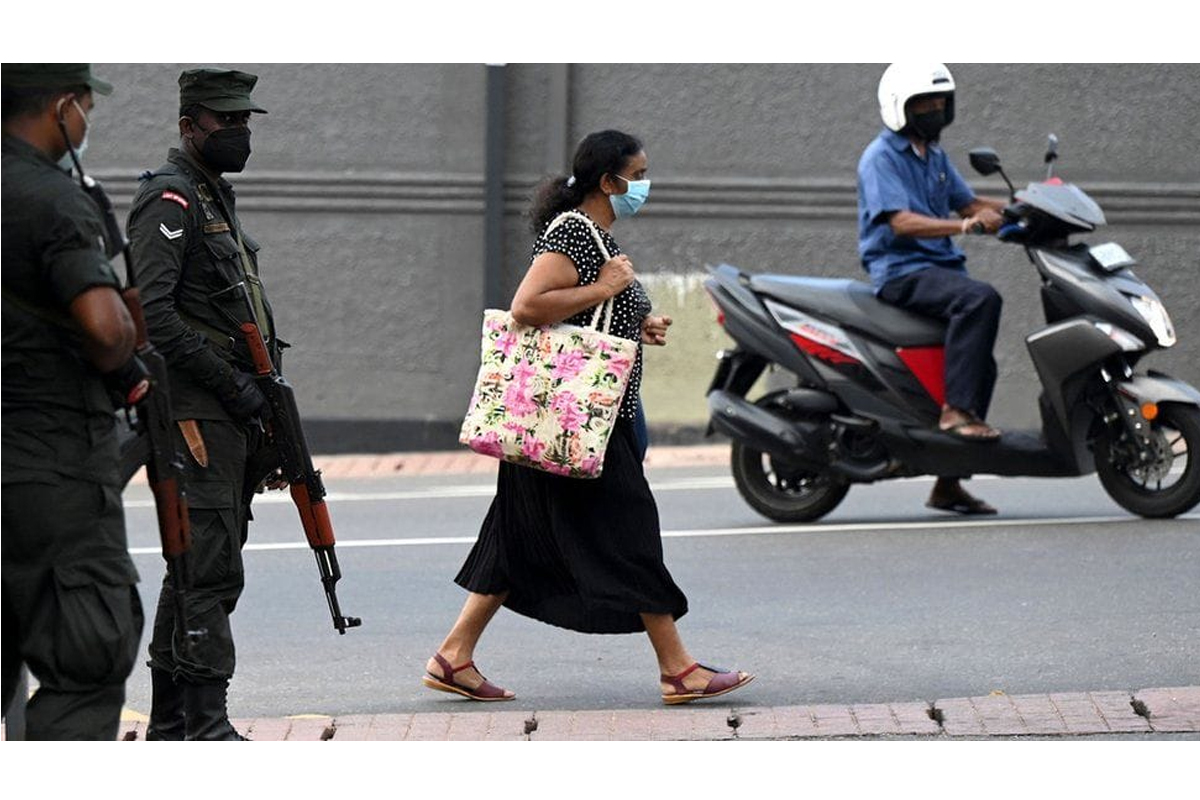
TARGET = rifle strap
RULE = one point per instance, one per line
(219, 339)
(249, 271)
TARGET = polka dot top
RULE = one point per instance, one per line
(574, 240)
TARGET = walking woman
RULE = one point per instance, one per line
(581, 554)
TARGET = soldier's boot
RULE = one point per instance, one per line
(167, 721)
(207, 718)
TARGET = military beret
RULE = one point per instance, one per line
(219, 89)
(52, 76)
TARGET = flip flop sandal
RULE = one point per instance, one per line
(974, 506)
(485, 691)
(722, 682)
(957, 432)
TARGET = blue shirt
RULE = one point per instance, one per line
(892, 177)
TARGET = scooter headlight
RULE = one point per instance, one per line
(1156, 317)
(1126, 340)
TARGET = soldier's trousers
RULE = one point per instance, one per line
(71, 608)
(218, 518)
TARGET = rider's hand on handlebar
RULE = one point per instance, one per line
(989, 220)
(616, 275)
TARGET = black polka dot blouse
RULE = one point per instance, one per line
(573, 239)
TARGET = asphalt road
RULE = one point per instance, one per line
(881, 601)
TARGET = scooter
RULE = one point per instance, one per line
(869, 377)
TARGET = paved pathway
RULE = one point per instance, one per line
(1161, 710)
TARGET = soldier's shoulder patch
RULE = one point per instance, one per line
(175, 197)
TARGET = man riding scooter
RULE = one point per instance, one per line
(907, 187)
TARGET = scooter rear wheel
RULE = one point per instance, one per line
(1170, 484)
(783, 493)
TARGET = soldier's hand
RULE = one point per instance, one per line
(128, 383)
(274, 482)
(242, 398)
(616, 275)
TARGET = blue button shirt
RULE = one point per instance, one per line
(892, 177)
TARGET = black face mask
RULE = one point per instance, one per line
(928, 125)
(226, 149)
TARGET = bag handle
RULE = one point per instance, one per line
(607, 304)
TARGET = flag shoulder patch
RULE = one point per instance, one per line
(175, 198)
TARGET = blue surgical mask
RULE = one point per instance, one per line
(628, 204)
(65, 163)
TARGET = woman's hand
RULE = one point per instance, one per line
(654, 330)
(616, 275)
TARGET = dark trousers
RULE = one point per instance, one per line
(218, 519)
(71, 608)
(971, 311)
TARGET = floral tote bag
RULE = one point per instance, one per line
(547, 397)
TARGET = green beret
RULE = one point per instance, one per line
(219, 89)
(52, 76)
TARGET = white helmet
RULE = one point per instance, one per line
(902, 82)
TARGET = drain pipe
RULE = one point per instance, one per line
(493, 189)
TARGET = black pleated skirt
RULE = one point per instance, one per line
(579, 554)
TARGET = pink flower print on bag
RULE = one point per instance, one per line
(488, 444)
(517, 401)
(532, 449)
(618, 365)
(522, 372)
(506, 343)
(562, 401)
(590, 465)
(570, 418)
(567, 364)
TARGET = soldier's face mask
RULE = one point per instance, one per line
(67, 162)
(225, 149)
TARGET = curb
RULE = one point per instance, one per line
(465, 462)
(1157, 710)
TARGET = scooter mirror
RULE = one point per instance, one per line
(985, 160)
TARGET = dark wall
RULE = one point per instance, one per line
(367, 182)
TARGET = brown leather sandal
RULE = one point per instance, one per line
(722, 682)
(485, 691)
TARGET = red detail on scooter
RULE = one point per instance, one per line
(928, 364)
(821, 351)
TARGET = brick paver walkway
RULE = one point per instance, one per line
(464, 462)
(1163, 710)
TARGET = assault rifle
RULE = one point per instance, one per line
(152, 424)
(289, 454)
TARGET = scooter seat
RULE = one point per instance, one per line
(852, 304)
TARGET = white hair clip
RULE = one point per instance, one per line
(571, 181)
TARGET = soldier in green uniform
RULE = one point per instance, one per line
(198, 273)
(71, 608)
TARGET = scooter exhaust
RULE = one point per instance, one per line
(801, 443)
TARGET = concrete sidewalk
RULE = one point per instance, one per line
(1146, 711)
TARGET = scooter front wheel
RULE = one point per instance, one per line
(1167, 484)
(782, 492)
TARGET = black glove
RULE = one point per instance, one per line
(242, 398)
(128, 383)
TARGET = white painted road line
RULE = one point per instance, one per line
(699, 533)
